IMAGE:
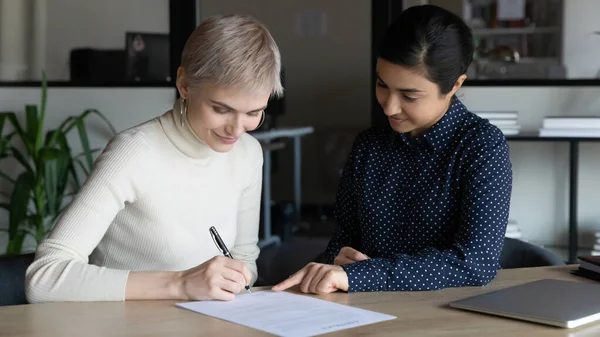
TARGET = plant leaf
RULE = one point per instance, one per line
(19, 202)
(81, 166)
(64, 128)
(5, 146)
(31, 127)
(85, 143)
(61, 140)
(12, 118)
(89, 112)
(40, 129)
(15, 244)
(2, 121)
(26, 229)
(93, 151)
(76, 183)
(21, 159)
(54, 164)
(6, 177)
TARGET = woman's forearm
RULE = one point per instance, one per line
(142, 285)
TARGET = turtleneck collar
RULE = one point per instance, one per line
(183, 137)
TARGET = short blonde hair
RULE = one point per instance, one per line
(233, 51)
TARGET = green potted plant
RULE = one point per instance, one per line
(50, 174)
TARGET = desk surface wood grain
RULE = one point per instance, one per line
(419, 314)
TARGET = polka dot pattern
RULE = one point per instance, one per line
(431, 211)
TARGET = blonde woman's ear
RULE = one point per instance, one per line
(181, 83)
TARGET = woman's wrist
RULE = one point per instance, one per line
(175, 285)
(154, 286)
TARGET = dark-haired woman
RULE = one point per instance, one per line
(423, 202)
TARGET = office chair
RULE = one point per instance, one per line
(12, 278)
(521, 254)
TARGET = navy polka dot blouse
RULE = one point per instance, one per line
(429, 211)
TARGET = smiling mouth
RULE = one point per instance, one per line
(228, 140)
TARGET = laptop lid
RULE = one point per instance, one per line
(560, 303)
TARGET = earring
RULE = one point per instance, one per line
(183, 110)
(262, 120)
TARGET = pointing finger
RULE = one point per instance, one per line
(291, 281)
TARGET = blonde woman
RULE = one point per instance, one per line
(143, 216)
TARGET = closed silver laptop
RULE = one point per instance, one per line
(560, 303)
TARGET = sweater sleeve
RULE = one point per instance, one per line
(60, 271)
(472, 257)
(246, 242)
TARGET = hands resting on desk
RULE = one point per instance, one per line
(318, 278)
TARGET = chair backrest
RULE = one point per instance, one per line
(520, 254)
(12, 278)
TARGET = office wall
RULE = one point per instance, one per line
(97, 24)
(327, 74)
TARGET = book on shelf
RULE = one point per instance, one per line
(571, 126)
(583, 133)
(503, 122)
(506, 121)
(510, 130)
(497, 114)
(575, 122)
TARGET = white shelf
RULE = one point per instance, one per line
(514, 31)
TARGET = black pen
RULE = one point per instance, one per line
(221, 245)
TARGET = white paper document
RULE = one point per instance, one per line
(285, 314)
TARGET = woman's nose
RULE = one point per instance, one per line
(235, 126)
(391, 106)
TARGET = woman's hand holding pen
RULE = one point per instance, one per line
(219, 278)
(349, 255)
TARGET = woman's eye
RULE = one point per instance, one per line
(254, 114)
(409, 99)
(219, 109)
(380, 84)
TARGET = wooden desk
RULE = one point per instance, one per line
(419, 314)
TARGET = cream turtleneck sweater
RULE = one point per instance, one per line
(147, 206)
